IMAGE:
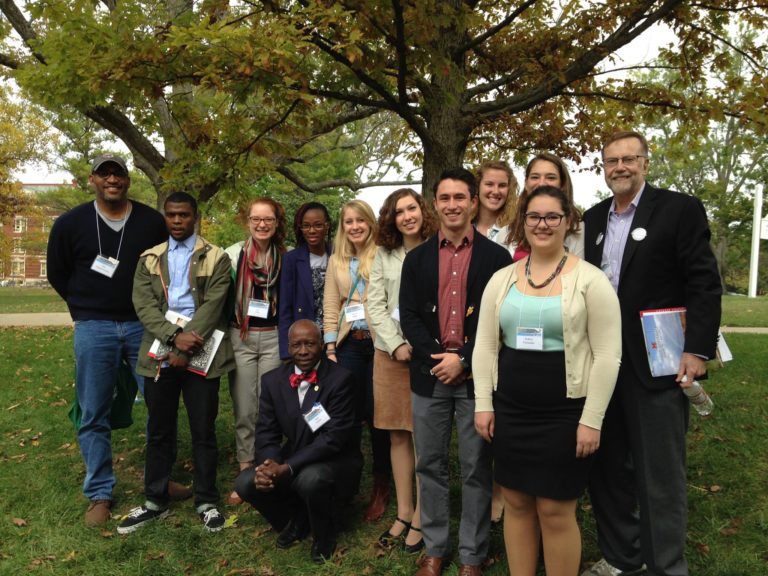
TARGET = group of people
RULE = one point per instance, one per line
(509, 314)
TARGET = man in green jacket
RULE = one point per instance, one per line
(180, 293)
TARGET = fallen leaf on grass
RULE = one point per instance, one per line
(733, 527)
(703, 548)
(242, 572)
(715, 488)
(59, 403)
(155, 556)
(19, 522)
(104, 533)
(38, 561)
(66, 446)
(19, 457)
(69, 557)
(261, 531)
(231, 521)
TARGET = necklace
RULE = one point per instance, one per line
(551, 276)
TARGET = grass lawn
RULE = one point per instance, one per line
(737, 310)
(41, 506)
(15, 300)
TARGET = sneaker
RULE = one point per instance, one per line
(138, 517)
(98, 513)
(212, 519)
(602, 568)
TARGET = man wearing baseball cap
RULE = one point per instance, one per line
(92, 255)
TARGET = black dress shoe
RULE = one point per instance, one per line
(322, 550)
(414, 548)
(296, 531)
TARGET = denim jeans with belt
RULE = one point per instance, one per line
(99, 346)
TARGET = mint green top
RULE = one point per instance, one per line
(537, 312)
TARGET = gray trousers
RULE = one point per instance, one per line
(432, 425)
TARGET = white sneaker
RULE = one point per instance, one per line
(602, 568)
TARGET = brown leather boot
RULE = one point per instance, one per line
(379, 498)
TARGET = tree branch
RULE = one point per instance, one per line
(493, 30)
(637, 23)
(354, 185)
(8, 61)
(732, 46)
(21, 25)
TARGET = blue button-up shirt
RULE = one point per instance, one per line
(179, 293)
(616, 234)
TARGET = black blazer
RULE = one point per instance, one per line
(281, 417)
(672, 266)
(419, 317)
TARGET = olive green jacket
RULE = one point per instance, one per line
(210, 282)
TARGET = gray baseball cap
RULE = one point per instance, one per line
(104, 158)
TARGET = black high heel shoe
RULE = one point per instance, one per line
(414, 548)
(388, 539)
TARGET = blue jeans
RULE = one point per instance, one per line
(99, 346)
(357, 357)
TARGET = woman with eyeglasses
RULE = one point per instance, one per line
(303, 277)
(545, 363)
(404, 223)
(257, 274)
(347, 328)
(547, 169)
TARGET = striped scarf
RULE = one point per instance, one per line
(255, 281)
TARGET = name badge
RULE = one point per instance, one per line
(316, 417)
(354, 312)
(258, 308)
(396, 314)
(530, 338)
(105, 266)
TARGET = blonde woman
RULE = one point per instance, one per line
(497, 200)
(347, 330)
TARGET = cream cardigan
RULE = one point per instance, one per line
(591, 334)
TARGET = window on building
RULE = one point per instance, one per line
(19, 224)
(17, 249)
(17, 268)
(43, 269)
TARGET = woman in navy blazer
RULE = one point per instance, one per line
(301, 287)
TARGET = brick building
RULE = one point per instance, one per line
(26, 236)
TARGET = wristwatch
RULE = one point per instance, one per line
(172, 337)
(464, 363)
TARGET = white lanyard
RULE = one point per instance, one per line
(122, 231)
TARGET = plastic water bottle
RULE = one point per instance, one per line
(699, 398)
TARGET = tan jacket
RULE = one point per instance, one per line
(591, 333)
(383, 298)
(338, 283)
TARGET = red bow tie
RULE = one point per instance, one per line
(296, 379)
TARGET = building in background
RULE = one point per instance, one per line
(23, 239)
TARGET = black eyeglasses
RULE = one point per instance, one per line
(551, 220)
(315, 226)
(107, 172)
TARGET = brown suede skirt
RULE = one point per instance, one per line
(391, 393)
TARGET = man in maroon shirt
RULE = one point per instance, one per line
(440, 293)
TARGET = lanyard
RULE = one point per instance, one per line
(122, 231)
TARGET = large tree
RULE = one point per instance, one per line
(238, 88)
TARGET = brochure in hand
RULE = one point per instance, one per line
(201, 362)
(664, 332)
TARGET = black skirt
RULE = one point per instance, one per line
(534, 443)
